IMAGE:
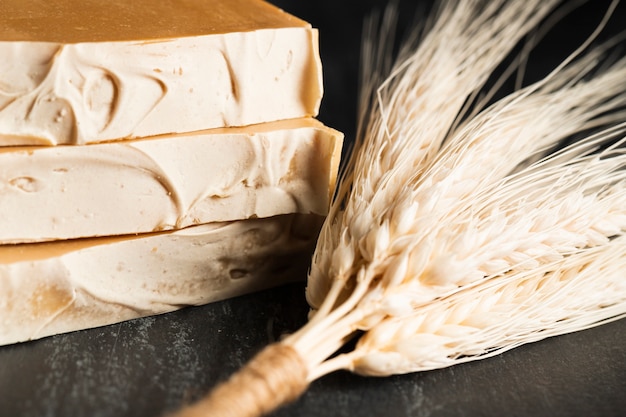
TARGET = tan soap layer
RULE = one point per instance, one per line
(167, 182)
(73, 21)
(57, 287)
(77, 72)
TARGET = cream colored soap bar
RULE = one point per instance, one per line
(85, 71)
(57, 287)
(167, 182)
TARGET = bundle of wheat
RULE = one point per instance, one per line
(459, 231)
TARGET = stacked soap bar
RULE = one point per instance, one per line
(76, 72)
(154, 155)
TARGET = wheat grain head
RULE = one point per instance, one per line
(574, 293)
(409, 116)
(411, 202)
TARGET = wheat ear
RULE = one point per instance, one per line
(457, 232)
(580, 291)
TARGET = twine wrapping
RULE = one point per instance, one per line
(276, 376)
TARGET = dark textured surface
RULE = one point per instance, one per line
(145, 367)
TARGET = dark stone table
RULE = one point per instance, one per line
(148, 366)
(143, 367)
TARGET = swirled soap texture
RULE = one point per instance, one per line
(167, 182)
(87, 71)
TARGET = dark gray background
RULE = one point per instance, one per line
(145, 367)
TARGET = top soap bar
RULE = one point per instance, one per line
(87, 71)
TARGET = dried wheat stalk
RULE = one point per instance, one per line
(458, 232)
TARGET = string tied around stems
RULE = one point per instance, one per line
(275, 376)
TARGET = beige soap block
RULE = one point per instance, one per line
(167, 182)
(85, 71)
(57, 287)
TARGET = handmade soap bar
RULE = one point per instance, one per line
(167, 182)
(56, 287)
(85, 71)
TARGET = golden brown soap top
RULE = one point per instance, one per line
(73, 21)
